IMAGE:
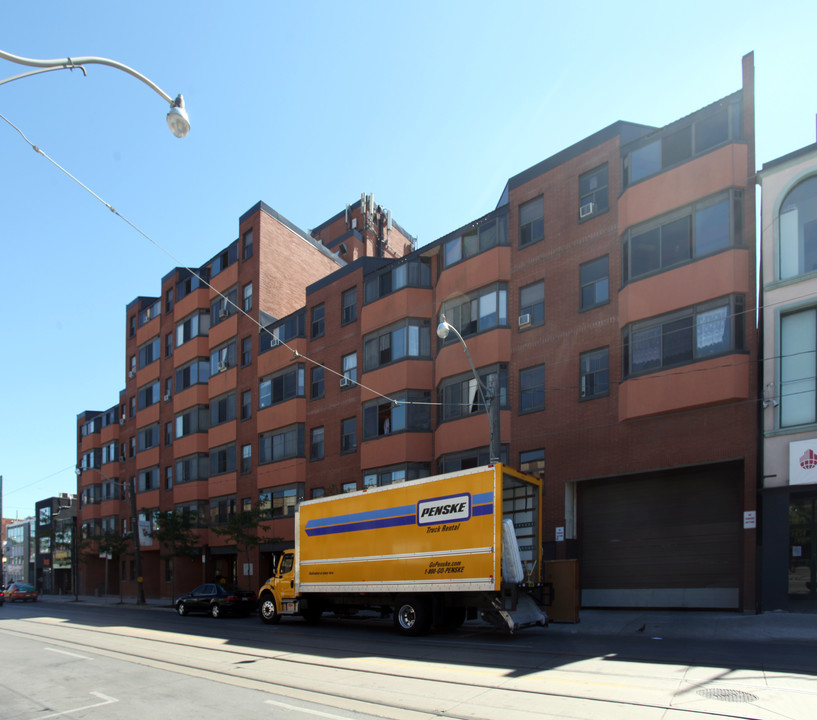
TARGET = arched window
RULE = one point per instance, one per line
(798, 230)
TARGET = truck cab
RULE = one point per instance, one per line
(277, 595)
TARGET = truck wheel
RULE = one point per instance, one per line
(268, 612)
(412, 616)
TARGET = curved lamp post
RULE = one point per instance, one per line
(488, 394)
(134, 529)
(177, 119)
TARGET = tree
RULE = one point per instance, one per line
(177, 539)
(242, 528)
(110, 544)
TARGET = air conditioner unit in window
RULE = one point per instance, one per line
(223, 313)
(121, 458)
(345, 381)
(524, 320)
(167, 397)
(122, 420)
(587, 209)
(223, 365)
(132, 374)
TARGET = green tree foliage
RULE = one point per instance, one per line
(177, 541)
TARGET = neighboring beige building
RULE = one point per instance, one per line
(789, 394)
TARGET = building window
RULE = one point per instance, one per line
(378, 477)
(594, 374)
(454, 462)
(281, 444)
(532, 462)
(685, 235)
(222, 460)
(222, 409)
(246, 404)
(194, 373)
(532, 389)
(532, 305)
(594, 283)
(316, 443)
(686, 336)
(478, 311)
(194, 420)
(169, 300)
(409, 338)
(169, 477)
(349, 363)
(147, 438)
(223, 307)
(348, 487)
(222, 509)
(132, 326)
(797, 226)
(224, 259)
(196, 325)
(798, 368)
(281, 501)
(679, 144)
(348, 306)
(223, 358)
(192, 468)
(408, 411)
(531, 221)
(168, 344)
(318, 317)
(316, 384)
(148, 479)
(348, 435)
(246, 459)
(412, 273)
(593, 193)
(246, 351)
(246, 302)
(281, 387)
(149, 395)
(282, 331)
(484, 234)
(168, 433)
(148, 353)
(460, 395)
(246, 252)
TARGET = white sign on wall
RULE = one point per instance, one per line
(803, 462)
(750, 519)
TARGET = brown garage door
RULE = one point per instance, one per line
(669, 540)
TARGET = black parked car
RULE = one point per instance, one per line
(217, 599)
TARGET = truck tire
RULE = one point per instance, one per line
(412, 616)
(267, 610)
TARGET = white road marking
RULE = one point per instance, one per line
(105, 701)
(319, 713)
(65, 652)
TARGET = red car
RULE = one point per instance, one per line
(21, 591)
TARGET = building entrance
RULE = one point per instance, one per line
(803, 550)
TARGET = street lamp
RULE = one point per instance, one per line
(488, 394)
(137, 553)
(177, 119)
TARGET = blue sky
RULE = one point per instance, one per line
(430, 106)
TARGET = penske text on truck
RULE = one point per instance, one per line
(432, 551)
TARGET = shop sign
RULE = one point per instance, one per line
(803, 462)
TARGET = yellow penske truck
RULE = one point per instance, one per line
(433, 551)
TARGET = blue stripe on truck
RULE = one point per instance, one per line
(386, 517)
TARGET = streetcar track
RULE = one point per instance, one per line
(265, 684)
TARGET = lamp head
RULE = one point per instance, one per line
(177, 119)
(443, 328)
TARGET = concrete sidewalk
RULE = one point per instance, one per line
(663, 624)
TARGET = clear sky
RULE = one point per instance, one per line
(431, 105)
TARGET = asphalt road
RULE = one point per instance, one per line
(84, 661)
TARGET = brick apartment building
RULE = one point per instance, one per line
(610, 295)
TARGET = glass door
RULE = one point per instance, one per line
(802, 548)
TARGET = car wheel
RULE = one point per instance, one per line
(181, 609)
(412, 616)
(267, 610)
(215, 610)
